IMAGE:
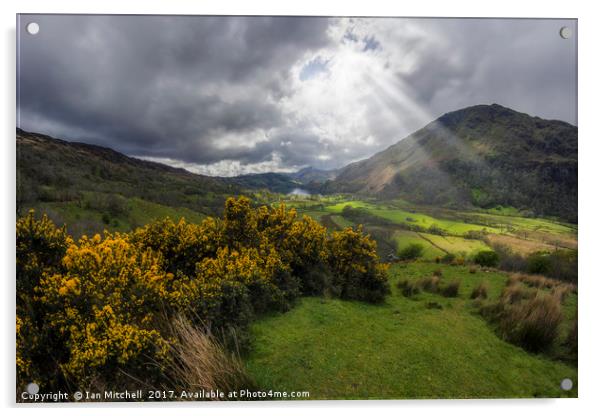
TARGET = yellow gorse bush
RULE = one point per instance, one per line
(101, 306)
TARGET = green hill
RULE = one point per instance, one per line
(482, 156)
(91, 187)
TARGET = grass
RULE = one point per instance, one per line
(404, 238)
(404, 348)
(504, 225)
(456, 244)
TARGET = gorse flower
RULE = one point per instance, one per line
(101, 306)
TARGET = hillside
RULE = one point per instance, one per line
(484, 156)
(426, 346)
(92, 187)
(310, 175)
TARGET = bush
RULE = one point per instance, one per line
(539, 263)
(559, 264)
(487, 258)
(451, 289)
(40, 249)
(509, 260)
(355, 268)
(100, 310)
(411, 252)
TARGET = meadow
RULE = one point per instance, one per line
(426, 346)
(440, 231)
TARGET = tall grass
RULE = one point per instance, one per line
(201, 362)
(526, 317)
(451, 290)
(480, 291)
(430, 284)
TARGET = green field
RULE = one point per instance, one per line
(401, 349)
(505, 221)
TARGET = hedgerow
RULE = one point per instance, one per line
(100, 310)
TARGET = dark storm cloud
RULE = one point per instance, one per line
(153, 85)
(203, 90)
(521, 63)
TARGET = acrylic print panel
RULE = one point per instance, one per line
(295, 208)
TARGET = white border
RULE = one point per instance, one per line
(590, 151)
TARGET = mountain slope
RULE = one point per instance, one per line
(312, 175)
(485, 155)
(53, 170)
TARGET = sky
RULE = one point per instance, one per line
(226, 96)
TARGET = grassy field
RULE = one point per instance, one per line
(404, 238)
(402, 349)
(504, 225)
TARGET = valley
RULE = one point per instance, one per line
(467, 230)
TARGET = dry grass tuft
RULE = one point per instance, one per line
(201, 362)
(408, 288)
(451, 290)
(479, 292)
(430, 284)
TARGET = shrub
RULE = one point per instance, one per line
(98, 311)
(181, 244)
(479, 292)
(487, 258)
(40, 248)
(355, 267)
(451, 289)
(412, 251)
(103, 306)
(509, 260)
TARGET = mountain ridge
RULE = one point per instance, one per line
(483, 155)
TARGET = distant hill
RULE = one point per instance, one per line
(484, 156)
(53, 170)
(274, 182)
(312, 175)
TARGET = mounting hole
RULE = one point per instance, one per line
(32, 28)
(33, 388)
(566, 32)
(566, 384)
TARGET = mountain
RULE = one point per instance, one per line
(483, 156)
(275, 182)
(51, 170)
(312, 175)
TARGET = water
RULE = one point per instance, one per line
(300, 192)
